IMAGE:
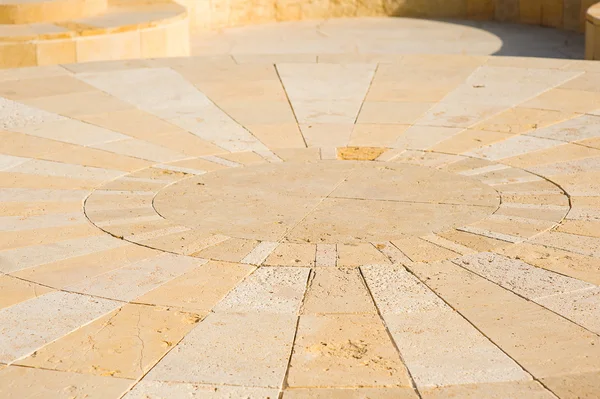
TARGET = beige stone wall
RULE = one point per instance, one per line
(562, 14)
(592, 33)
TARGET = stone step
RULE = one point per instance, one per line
(125, 30)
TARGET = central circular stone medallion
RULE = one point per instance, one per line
(326, 201)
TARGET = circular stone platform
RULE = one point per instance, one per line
(401, 227)
(325, 202)
(333, 39)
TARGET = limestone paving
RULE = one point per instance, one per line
(424, 227)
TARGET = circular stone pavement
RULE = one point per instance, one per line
(421, 226)
(325, 202)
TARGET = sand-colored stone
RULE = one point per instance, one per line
(40, 317)
(528, 281)
(45, 235)
(267, 290)
(137, 278)
(578, 244)
(65, 272)
(566, 345)
(234, 349)
(285, 135)
(17, 383)
(469, 140)
(380, 112)
(290, 254)
(513, 226)
(156, 390)
(184, 242)
(352, 255)
(419, 250)
(207, 197)
(429, 159)
(530, 187)
(326, 134)
(347, 351)
(566, 100)
(351, 393)
(580, 227)
(294, 208)
(231, 250)
(578, 266)
(418, 319)
(24, 180)
(582, 385)
(529, 389)
(334, 290)
(22, 258)
(200, 289)
(125, 343)
(360, 153)
(138, 231)
(43, 87)
(15, 290)
(520, 119)
(380, 135)
(244, 158)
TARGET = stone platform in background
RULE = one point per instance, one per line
(362, 226)
(381, 38)
(48, 32)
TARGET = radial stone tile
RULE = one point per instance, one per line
(343, 351)
(438, 345)
(305, 225)
(232, 348)
(45, 319)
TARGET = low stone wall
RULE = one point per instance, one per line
(592, 33)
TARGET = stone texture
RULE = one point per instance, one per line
(494, 311)
(268, 290)
(125, 343)
(438, 346)
(26, 257)
(288, 254)
(530, 389)
(46, 318)
(313, 101)
(353, 393)
(157, 390)
(333, 290)
(431, 214)
(16, 382)
(199, 289)
(517, 276)
(560, 261)
(344, 351)
(138, 278)
(13, 291)
(66, 272)
(232, 348)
